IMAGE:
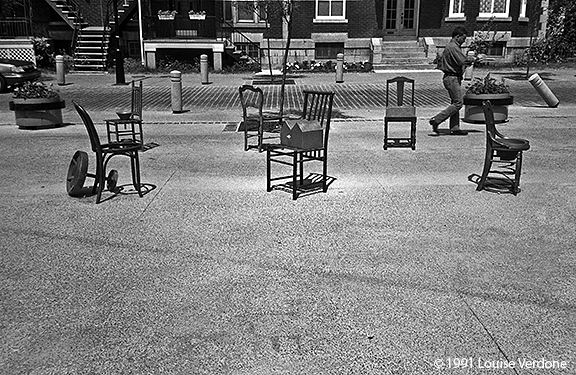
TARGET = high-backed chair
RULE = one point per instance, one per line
(127, 145)
(503, 157)
(255, 121)
(316, 113)
(400, 110)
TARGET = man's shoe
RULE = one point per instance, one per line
(434, 124)
(458, 132)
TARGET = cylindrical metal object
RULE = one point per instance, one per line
(176, 79)
(61, 78)
(204, 69)
(543, 90)
(469, 71)
(340, 68)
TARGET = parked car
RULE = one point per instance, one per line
(16, 72)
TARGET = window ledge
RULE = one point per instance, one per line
(495, 19)
(328, 20)
(249, 24)
(454, 19)
(523, 19)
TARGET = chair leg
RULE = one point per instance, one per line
(413, 135)
(486, 170)
(100, 176)
(135, 161)
(268, 172)
(324, 173)
(385, 134)
(517, 172)
(294, 175)
(301, 162)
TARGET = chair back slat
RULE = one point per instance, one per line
(89, 124)
(136, 106)
(491, 131)
(251, 97)
(401, 87)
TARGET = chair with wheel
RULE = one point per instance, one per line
(303, 140)
(127, 144)
(400, 111)
(256, 122)
(503, 160)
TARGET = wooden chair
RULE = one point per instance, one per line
(399, 111)
(255, 121)
(128, 145)
(503, 157)
(317, 109)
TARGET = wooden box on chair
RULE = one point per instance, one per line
(303, 134)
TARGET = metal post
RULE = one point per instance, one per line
(204, 69)
(119, 63)
(176, 79)
(543, 90)
(340, 68)
(61, 79)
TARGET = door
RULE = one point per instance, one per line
(401, 17)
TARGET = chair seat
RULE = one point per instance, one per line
(512, 144)
(121, 146)
(401, 112)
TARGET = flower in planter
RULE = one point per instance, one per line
(487, 85)
(167, 13)
(199, 13)
(34, 90)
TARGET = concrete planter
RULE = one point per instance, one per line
(38, 113)
(473, 112)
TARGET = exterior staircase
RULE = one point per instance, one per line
(69, 11)
(399, 55)
(91, 49)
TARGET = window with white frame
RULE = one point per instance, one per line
(523, 5)
(250, 11)
(494, 8)
(456, 8)
(331, 9)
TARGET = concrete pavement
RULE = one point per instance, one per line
(402, 267)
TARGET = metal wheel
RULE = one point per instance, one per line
(77, 174)
(112, 180)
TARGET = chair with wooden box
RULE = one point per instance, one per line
(303, 140)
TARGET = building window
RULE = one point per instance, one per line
(331, 9)
(328, 51)
(523, 8)
(250, 11)
(456, 8)
(494, 8)
(496, 49)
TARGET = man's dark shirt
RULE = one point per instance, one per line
(453, 59)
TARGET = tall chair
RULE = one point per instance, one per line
(400, 110)
(317, 111)
(503, 157)
(255, 121)
(127, 145)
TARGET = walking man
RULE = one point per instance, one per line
(453, 63)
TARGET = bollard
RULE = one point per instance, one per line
(176, 78)
(61, 79)
(340, 68)
(204, 69)
(543, 90)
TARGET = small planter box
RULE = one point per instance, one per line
(38, 113)
(166, 17)
(197, 17)
(302, 134)
(473, 112)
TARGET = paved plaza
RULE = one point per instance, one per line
(401, 267)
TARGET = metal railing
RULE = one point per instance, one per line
(17, 26)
